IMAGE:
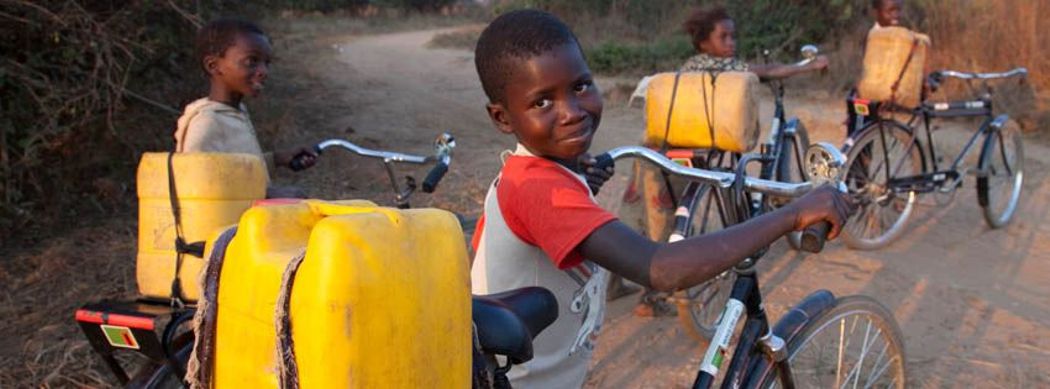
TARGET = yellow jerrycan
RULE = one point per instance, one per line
(892, 54)
(380, 298)
(702, 100)
(213, 189)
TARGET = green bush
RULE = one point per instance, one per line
(782, 26)
(654, 26)
(617, 58)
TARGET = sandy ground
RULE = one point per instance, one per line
(972, 302)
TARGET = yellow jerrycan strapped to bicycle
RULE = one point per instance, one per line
(289, 293)
(703, 110)
(338, 294)
(211, 190)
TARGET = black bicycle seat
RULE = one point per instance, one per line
(508, 321)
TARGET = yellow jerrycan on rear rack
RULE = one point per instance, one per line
(213, 190)
(375, 298)
(894, 62)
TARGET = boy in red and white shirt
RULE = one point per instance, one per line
(541, 225)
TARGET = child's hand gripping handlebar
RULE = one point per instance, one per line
(443, 145)
(298, 162)
(823, 165)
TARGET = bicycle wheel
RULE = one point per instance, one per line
(855, 344)
(1002, 173)
(887, 150)
(700, 306)
(790, 168)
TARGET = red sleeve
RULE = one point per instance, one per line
(546, 206)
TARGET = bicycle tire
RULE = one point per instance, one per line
(699, 307)
(996, 148)
(790, 168)
(847, 314)
(866, 159)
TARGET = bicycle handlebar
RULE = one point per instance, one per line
(442, 156)
(982, 76)
(721, 179)
(386, 156)
(825, 162)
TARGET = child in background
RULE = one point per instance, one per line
(647, 201)
(887, 13)
(713, 33)
(235, 55)
(541, 225)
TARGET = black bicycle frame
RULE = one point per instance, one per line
(928, 181)
(755, 338)
(772, 150)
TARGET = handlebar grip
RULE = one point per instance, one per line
(814, 236)
(297, 164)
(603, 161)
(434, 177)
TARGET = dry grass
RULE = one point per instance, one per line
(978, 36)
(41, 283)
(995, 35)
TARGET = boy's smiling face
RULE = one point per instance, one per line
(244, 66)
(550, 103)
(889, 13)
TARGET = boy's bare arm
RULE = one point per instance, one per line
(673, 266)
(780, 71)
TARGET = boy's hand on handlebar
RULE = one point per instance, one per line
(297, 158)
(819, 63)
(823, 204)
(596, 175)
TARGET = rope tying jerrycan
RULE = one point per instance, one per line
(701, 110)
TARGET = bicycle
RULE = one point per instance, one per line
(702, 209)
(890, 166)
(169, 351)
(791, 353)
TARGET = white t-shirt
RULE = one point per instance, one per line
(536, 213)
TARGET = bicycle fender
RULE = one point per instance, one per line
(788, 327)
(982, 170)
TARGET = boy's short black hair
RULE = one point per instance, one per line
(219, 34)
(515, 36)
(702, 22)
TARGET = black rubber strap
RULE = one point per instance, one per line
(181, 247)
(667, 132)
(904, 69)
(670, 110)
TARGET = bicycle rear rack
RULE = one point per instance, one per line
(128, 326)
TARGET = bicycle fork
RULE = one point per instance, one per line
(756, 336)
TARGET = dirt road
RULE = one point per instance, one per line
(974, 303)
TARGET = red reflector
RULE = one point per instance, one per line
(96, 317)
(680, 154)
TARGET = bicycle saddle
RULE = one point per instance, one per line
(507, 322)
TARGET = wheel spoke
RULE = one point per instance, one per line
(877, 371)
(855, 348)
